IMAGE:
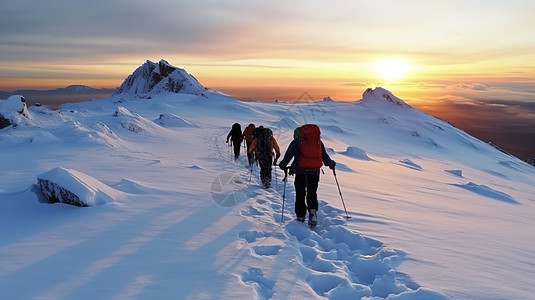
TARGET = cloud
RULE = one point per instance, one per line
(480, 87)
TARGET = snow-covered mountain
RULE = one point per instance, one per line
(435, 213)
(161, 77)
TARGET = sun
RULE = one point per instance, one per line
(392, 69)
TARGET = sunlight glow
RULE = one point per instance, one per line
(392, 69)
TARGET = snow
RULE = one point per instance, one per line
(435, 213)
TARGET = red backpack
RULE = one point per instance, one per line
(310, 147)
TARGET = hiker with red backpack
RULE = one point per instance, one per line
(248, 135)
(235, 136)
(308, 153)
(263, 146)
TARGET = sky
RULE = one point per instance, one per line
(447, 54)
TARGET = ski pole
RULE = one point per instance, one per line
(347, 216)
(250, 174)
(275, 170)
(284, 193)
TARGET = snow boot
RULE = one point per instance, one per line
(312, 218)
(267, 182)
(301, 219)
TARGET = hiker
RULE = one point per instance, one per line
(308, 153)
(236, 138)
(248, 135)
(255, 133)
(263, 144)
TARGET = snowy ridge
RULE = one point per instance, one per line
(436, 213)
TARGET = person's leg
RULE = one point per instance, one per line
(300, 193)
(265, 171)
(250, 156)
(312, 199)
(237, 149)
(312, 189)
(268, 168)
(262, 170)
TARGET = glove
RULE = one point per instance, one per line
(291, 171)
(282, 167)
(332, 165)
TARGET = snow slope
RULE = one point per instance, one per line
(435, 213)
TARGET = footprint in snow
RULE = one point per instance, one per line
(347, 265)
(263, 286)
(267, 250)
(251, 236)
(251, 212)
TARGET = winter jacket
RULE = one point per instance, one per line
(235, 135)
(248, 133)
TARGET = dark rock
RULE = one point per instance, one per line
(4, 122)
(54, 193)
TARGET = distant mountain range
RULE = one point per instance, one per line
(56, 97)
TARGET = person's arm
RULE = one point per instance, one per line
(327, 161)
(276, 147)
(290, 153)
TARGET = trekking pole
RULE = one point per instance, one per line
(275, 169)
(250, 174)
(284, 193)
(347, 216)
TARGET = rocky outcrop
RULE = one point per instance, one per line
(13, 111)
(71, 187)
(53, 193)
(161, 77)
(4, 122)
